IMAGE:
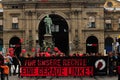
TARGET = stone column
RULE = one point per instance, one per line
(34, 29)
(27, 31)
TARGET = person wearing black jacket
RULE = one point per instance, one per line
(15, 63)
(111, 67)
(118, 66)
(115, 61)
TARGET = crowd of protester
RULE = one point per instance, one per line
(6, 62)
(112, 58)
(9, 60)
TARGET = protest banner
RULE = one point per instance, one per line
(64, 66)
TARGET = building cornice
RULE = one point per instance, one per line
(53, 1)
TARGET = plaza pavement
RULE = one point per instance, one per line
(65, 78)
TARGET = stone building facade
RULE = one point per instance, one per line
(84, 26)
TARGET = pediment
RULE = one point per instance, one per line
(112, 5)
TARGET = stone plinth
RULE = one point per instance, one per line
(48, 38)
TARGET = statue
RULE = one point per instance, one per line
(48, 24)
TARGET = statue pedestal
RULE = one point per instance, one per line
(48, 43)
(48, 38)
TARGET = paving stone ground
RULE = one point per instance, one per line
(65, 78)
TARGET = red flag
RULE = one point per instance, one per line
(38, 50)
(56, 49)
(47, 54)
(59, 52)
(33, 49)
(11, 53)
(81, 55)
(70, 55)
(48, 49)
(23, 51)
(21, 40)
(10, 49)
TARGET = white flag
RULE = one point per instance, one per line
(117, 44)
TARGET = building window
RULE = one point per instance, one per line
(108, 24)
(14, 6)
(91, 23)
(1, 25)
(15, 23)
(90, 5)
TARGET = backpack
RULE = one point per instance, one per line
(5, 69)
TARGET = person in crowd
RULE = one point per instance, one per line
(112, 64)
(5, 72)
(8, 62)
(28, 56)
(115, 60)
(15, 63)
(20, 59)
(118, 66)
(1, 63)
(21, 55)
